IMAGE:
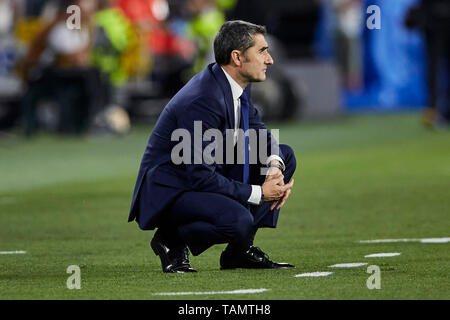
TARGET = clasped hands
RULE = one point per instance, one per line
(274, 188)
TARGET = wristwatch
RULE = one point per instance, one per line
(280, 166)
(262, 197)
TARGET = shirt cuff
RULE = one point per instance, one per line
(255, 196)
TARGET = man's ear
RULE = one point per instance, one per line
(236, 57)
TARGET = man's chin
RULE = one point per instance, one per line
(259, 79)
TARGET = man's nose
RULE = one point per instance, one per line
(269, 59)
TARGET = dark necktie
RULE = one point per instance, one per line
(244, 117)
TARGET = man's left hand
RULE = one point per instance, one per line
(274, 172)
(285, 196)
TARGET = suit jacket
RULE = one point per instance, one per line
(206, 97)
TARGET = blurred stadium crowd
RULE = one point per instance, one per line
(130, 56)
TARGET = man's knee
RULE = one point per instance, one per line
(289, 157)
(242, 224)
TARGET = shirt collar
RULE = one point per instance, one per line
(236, 89)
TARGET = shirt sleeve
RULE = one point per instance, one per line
(255, 196)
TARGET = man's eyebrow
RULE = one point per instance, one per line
(263, 48)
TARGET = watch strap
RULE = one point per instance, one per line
(277, 165)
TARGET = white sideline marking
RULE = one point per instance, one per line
(348, 265)
(241, 291)
(388, 240)
(435, 240)
(314, 274)
(425, 240)
(382, 255)
(13, 252)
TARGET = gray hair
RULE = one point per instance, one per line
(235, 35)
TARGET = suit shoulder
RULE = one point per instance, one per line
(202, 88)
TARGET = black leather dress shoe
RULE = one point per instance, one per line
(173, 260)
(253, 258)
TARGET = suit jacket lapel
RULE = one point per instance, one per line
(226, 89)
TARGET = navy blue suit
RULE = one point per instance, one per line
(202, 204)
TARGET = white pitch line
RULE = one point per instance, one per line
(13, 252)
(388, 240)
(348, 265)
(313, 274)
(241, 291)
(435, 240)
(382, 255)
(425, 240)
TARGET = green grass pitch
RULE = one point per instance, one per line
(65, 202)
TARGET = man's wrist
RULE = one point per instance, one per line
(275, 159)
(262, 196)
(277, 164)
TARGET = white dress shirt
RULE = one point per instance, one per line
(236, 91)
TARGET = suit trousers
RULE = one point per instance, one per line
(203, 219)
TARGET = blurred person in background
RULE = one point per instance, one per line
(7, 17)
(348, 40)
(170, 50)
(10, 11)
(433, 16)
(149, 17)
(119, 51)
(114, 35)
(115, 44)
(206, 20)
(10, 85)
(58, 67)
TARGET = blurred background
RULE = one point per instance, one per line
(131, 56)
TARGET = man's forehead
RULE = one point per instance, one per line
(260, 41)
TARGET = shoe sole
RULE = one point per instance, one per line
(235, 268)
